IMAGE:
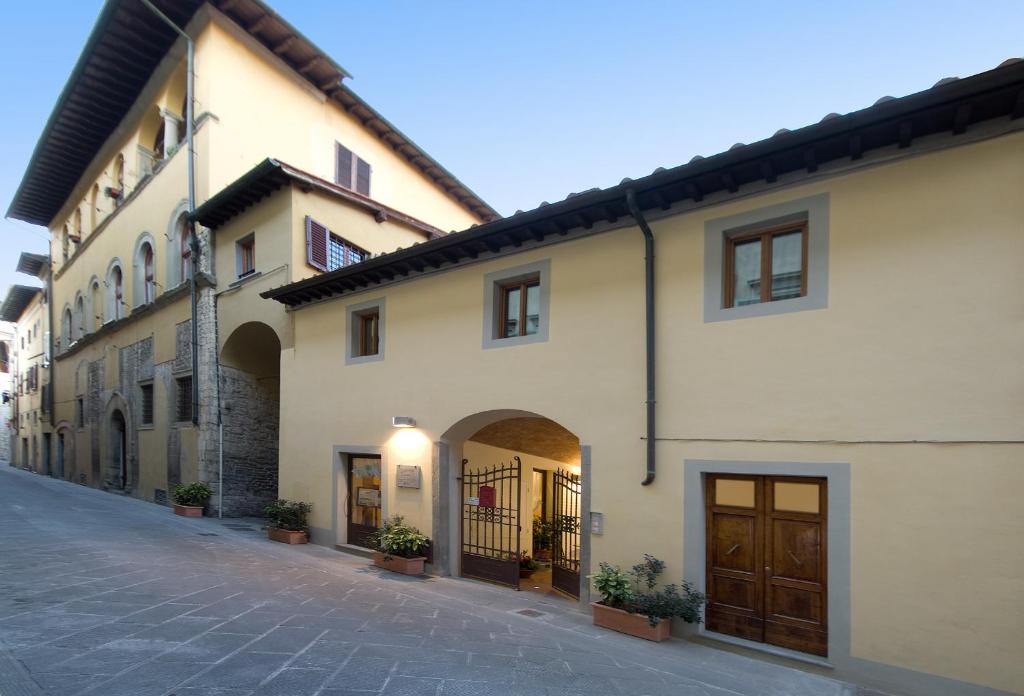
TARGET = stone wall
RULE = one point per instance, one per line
(250, 416)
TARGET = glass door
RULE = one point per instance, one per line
(364, 499)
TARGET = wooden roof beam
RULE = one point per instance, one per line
(810, 160)
(693, 191)
(906, 134)
(961, 118)
(768, 171)
(856, 146)
(729, 182)
(284, 44)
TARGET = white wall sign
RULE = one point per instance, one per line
(472, 500)
(408, 476)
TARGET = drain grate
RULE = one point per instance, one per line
(240, 527)
(532, 613)
(208, 534)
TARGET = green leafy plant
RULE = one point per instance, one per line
(614, 586)
(637, 592)
(527, 563)
(543, 533)
(396, 538)
(191, 494)
(288, 515)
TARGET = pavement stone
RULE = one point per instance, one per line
(108, 595)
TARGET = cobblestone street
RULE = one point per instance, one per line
(101, 594)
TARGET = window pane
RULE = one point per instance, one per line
(787, 262)
(798, 497)
(532, 309)
(747, 273)
(734, 492)
(364, 491)
(512, 312)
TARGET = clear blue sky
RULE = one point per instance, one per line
(528, 101)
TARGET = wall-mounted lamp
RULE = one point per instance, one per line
(403, 422)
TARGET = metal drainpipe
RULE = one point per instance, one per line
(634, 210)
(191, 166)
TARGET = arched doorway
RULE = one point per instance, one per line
(517, 489)
(250, 382)
(118, 450)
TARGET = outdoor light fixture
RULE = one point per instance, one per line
(403, 422)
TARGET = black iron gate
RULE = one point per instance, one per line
(565, 552)
(490, 522)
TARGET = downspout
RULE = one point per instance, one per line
(191, 166)
(634, 210)
(49, 346)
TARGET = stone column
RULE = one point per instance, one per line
(172, 127)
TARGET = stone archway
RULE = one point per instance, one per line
(551, 482)
(250, 384)
(118, 446)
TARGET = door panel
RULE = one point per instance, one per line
(364, 498)
(766, 559)
(795, 569)
(735, 592)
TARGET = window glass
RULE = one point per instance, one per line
(512, 312)
(364, 491)
(787, 262)
(747, 273)
(796, 497)
(734, 492)
(532, 309)
(368, 333)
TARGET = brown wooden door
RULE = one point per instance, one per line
(766, 559)
(364, 503)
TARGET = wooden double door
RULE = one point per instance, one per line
(767, 559)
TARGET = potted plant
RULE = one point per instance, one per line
(527, 565)
(632, 604)
(190, 498)
(399, 547)
(543, 534)
(286, 521)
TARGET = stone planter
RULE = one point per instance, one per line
(631, 624)
(542, 555)
(188, 510)
(406, 566)
(525, 573)
(286, 536)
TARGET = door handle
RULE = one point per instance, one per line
(768, 570)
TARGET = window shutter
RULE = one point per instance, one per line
(316, 244)
(343, 169)
(362, 177)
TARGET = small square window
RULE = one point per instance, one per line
(245, 255)
(369, 333)
(520, 308)
(146, 405)
(365, 323)
(766, 265)
(183, 412)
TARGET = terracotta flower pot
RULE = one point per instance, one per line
(188, 510)
(286, 536)
(406, 566)
(525, 573)
(542, 554)
(631, 624)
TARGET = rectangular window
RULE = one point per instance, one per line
(520, 308)
(766, 265)
(245, 255)
(351, 171)
(342, 253)
(80, 412)
(183, 412)
(147, 404)
(369, 333)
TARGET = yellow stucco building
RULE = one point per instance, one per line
(789, 370)
(160, 377)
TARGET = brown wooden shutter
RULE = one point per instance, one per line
(343, 166)
(316, 244)
(362, 177)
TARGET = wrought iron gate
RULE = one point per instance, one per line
(490, 522)
(565, 552)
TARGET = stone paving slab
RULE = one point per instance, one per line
(102, 595)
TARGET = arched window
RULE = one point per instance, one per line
(65, 244)
(95, 305)
(144, 283)
(65, 328)
(79, 329)
(185, 235)
(77, 239)
(115, 293)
